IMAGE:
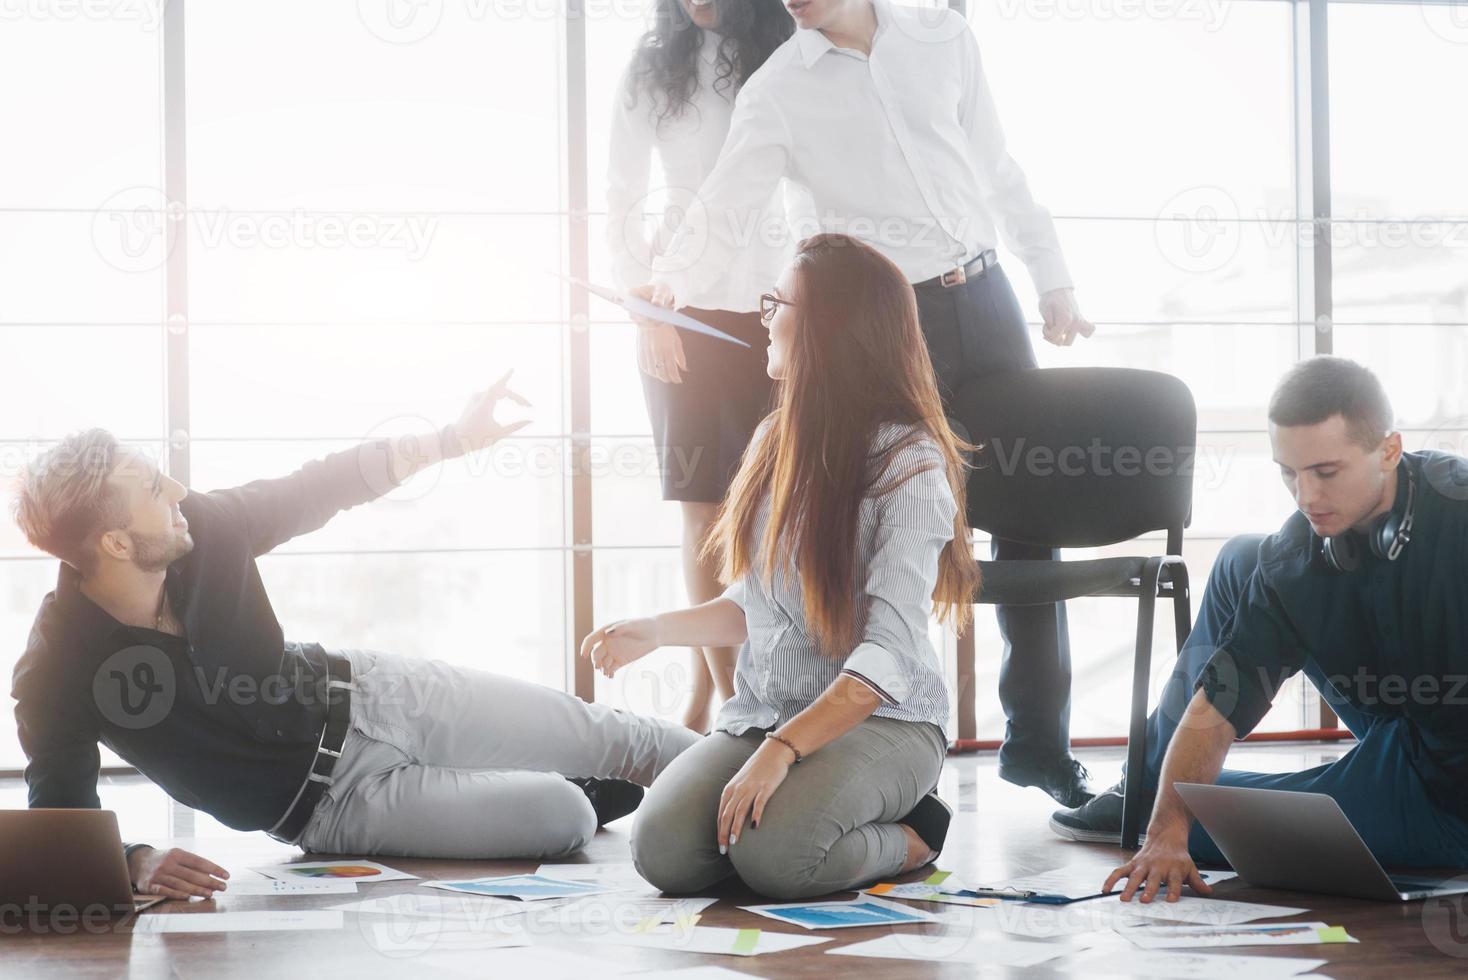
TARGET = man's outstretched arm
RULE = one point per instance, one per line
(274, 511)
(1195, 755)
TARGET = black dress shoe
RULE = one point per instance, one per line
(930, 820)
(1099, 820)
(612, 799)
(1065, 779)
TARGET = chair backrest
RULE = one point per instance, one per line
(1079, 457)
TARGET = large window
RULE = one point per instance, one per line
(377, 198)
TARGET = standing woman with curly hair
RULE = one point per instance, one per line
(704, 396)
(841, 531)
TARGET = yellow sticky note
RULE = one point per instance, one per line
(746, 942)
(1334, 934)
(937, 877)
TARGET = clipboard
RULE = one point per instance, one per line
(651, 311)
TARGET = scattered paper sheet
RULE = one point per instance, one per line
(526, 888)
(630, 913)
(1050, 921)
(415, 935)
(354, 870)
(469, 909)
(540, 962)
(260, 885)
(924, 892)
(843, 915)
(1154, 936)
(708, 939)
(1078, 882)
(695, 973)
(1193, 966)
(273, 920)
(616, 877)
(972, 947)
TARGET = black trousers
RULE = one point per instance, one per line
(972, 330)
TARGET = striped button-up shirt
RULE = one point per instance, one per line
(902, 531)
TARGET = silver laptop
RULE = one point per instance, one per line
(69, 859)
(1301, 842)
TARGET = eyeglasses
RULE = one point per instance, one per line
(768, 304)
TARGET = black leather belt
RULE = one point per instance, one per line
(959, 275)
(333, 734)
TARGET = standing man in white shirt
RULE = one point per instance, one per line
(704, 396)
(882, 112)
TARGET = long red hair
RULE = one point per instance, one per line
(857, 360)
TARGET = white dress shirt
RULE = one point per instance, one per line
(901, 149)
(687, 147)
(901, 534)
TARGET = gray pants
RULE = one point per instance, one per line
(828, 828)
(445, 762)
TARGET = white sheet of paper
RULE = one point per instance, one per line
(455, 907)
(707, 939)
(273, 920)
(260, 885)
(1159, 936)
(350, 869)
(973, 947)
(1049, 921)
(695, 973)
(1079, 881)
(417, 935)
(1194, 966)
(618, 877)
(526, 888)
(788, 912)
(540, 962)
(628, 912)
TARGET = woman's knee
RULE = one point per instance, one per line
(666, 850)
(778, 868)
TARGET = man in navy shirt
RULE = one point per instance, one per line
(1365, 590)
(160, 643)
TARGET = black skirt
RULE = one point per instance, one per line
(701, 426)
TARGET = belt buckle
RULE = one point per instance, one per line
(954, 277)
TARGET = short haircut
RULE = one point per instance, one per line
(1322, 387)
(63, 500)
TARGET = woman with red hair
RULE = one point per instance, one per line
(840, 532)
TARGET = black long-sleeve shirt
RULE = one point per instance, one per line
(225, 719)
(1391, 637)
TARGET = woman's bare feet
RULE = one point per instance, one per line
(918, 853)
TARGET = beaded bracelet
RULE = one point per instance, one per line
(787, 743)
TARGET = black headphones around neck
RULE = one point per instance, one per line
(1386, 538)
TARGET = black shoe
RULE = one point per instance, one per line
(1065, 779)
(612, 799)
(1098, 821)
(930, 820)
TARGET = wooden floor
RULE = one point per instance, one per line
(1000, 831)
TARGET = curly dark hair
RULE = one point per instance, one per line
(666, 62)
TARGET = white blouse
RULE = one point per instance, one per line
(688, 147)
(901, 148)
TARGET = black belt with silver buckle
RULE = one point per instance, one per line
(333, 735)
(959, 275)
